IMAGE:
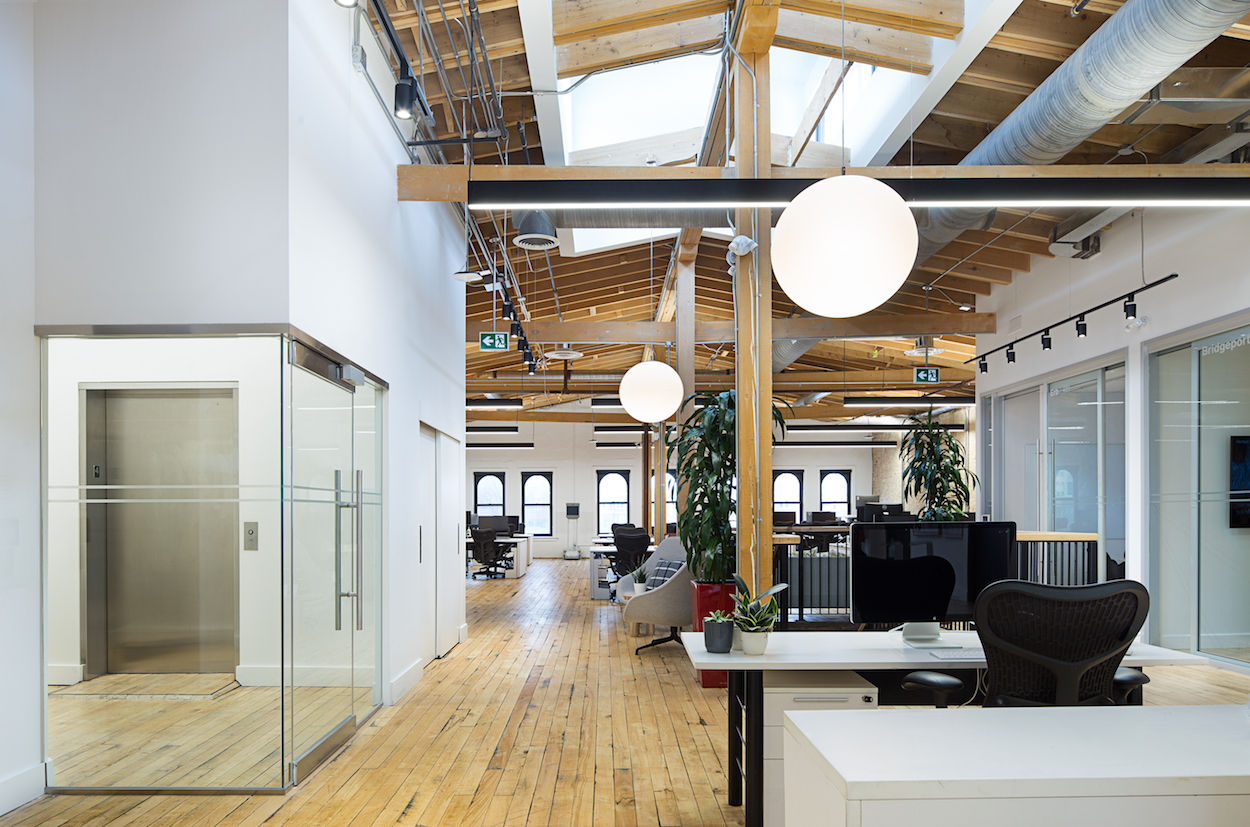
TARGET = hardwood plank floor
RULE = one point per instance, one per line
(543, 717)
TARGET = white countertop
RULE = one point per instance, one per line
(1027, 752)
(879, 650)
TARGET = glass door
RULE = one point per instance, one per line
(333, 548)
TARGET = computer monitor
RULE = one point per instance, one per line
(513, 522)
(783, 518)
(823, 517)
(920, 573)
(470, 519)
(497, 524)
(864, 499)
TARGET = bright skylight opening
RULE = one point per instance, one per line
(793, 80)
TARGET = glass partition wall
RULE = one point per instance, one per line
(1199, 415)
(213, 546)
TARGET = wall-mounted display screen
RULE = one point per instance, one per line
(1239, 482)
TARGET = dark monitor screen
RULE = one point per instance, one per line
(513, 521)
(783, 518)
(921, 572)
(824, 517)
(499, 525)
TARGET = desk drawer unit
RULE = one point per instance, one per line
(786, 691)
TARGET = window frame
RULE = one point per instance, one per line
(600, 473)
(503, 484)
(671, 472)
(798, 473)
(549, 505)
(850, 494)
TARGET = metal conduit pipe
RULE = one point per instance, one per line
(1140, 45)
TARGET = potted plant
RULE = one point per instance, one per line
(933, 469)
(755, 617)
(718, 632)
(640, 580)
(704, 456)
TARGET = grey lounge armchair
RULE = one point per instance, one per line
(669, 603)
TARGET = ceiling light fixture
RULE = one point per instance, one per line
(405, 95)
(1082, 328)
(468, 273)
(908, 401)
(605, 402)
(616, 445)
(507, 311)
(534, 231)
(1011, 355)
(566, 353)
(1130, 308)
(651, 391)
(924, 347)
(347, 4)
(477, 404)
(844, 246)
(984, 365)
(515, 330)
(965, 307)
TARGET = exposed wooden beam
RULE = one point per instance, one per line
(873, 325)
(939, 18)
(829, 84)
(758, 27)
(856, 42)
(1239, 30)
(574, 21)
(657, 150)
(634, 46)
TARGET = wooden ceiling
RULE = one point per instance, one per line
(629, 284)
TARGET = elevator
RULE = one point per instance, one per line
(160, 567)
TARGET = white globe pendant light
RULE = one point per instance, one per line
(651, 391)
(844, 246)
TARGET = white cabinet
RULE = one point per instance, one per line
(786, 691)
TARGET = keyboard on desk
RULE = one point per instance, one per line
(958, 654)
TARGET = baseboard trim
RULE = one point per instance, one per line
(23, 786)
(64, 674)
(405, 681)
(464, 632)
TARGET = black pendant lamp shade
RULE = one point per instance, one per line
(405, 96)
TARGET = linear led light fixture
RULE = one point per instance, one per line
(909, 401)
(505, 446)
(622, 429)
(606, 402)
(715, 193)
(836, 443)
(492, 429)
(1079, 318)
(471, 404)
(838, 428)
(617, 445)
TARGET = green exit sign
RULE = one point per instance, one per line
(925, 376)
(493, 342)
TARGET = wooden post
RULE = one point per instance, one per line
(753, 356)
(685, 344)
(646, 479)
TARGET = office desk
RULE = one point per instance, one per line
(522, 554)
(1026, 767)
(834, 651)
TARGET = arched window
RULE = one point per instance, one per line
(536, 502)
(613, 499)
(488, 493)
(788, 493)
(670, 496)
(835, 493)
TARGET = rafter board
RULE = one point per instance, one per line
(625, 48)
(939, 18)
(873, 45)
(577, 20)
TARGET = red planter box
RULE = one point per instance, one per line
(706, 598)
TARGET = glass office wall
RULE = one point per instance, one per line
(1085, 446)
(213, 561)
(1200, 496)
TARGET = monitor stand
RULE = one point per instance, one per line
(926, 635)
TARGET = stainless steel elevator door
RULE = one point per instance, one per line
(172, 530)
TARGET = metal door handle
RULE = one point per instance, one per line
(360, 553)
(824, 700)
(339, 594)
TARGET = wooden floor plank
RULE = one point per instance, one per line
(545, 716)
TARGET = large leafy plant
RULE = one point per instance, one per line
(705, 447)
(934, 469)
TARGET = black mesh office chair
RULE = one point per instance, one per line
(1057, 645)
(489, 554)
(631, 548)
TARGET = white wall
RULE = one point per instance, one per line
(253, 365)
(1205, 246)
(370, 277)
(22, 774)
(567, 451)
(161, 144)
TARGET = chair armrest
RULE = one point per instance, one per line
(666, 605)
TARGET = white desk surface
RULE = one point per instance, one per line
(879, 650)
(1029, 752)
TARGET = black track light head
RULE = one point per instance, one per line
(1081, 328)
(1130, 308)
(515, 332)
(1046, 339)
(984, 365)
(521, 344)
(405, 95)
(507, 311)
(1011, 355)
